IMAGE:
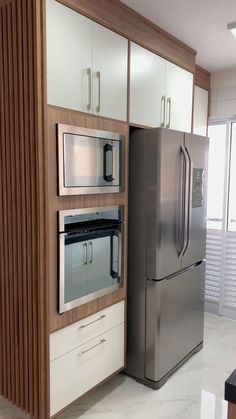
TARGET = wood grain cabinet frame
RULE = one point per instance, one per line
(28, 188)
(23, 209)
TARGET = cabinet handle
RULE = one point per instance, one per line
(169, 112)
(89, 73)
(94, 321)
(86, 253)
(93, 347)
(98, 75)
(163, 110)
(91, 252)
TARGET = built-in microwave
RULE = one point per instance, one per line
(89, 161)
(90, 254)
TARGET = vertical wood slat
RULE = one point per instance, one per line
(24, 365)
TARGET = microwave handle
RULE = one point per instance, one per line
(116, 274)
(108, 178)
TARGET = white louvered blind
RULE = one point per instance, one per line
(229, 273)
(213, 266)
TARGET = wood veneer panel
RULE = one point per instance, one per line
(202, 78)
(231, 411)
(58, 115)
(117, 16)
(24, 360)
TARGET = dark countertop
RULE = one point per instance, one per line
(230, 388)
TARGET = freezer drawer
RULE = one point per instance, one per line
(174, 320)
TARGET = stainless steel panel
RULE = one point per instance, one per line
(136, 260)
(197, 149)
(81, 161)
(174, 320)
(163, 209)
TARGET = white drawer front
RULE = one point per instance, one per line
(77, 334)
(76, 372)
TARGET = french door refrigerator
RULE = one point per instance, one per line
(167, 234)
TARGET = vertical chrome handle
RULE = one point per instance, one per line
(98, 75)
(163, 110)
(184, 205)
(89, 73)
(116, 274)
(91, 252)
(86, 253)
(190, 174)
(169, 112)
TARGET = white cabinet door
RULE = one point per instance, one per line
(179, 94)
(110, 73)
(70, 337)
(76, 372)
(69, 58)
(147, 87)
(200, 113)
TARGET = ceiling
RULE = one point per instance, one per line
(201, 24)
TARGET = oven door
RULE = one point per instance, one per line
(89, 162)
(90, 266)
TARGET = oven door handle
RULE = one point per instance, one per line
(116, 274)
(106, 149)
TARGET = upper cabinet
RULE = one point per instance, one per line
(179, 98)
(87, 64)
(200, 113)
(161, 93)
(147, 87)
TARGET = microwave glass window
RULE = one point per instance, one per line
(91, 162)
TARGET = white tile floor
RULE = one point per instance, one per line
(195, 391)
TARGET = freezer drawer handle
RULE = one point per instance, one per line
(93, 347)
(94, 321)
(108, 148)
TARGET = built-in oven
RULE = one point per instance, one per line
(89, 161)
(90, 254)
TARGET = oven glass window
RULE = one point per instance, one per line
(90, 256)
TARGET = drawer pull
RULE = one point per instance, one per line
(92, 347)
(94, 321)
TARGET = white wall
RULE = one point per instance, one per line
(223, 94)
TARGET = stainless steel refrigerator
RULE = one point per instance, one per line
(167, 234)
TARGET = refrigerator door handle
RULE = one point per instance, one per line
(190, 173)
(183, 224)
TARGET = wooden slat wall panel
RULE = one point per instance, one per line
(24, 332)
